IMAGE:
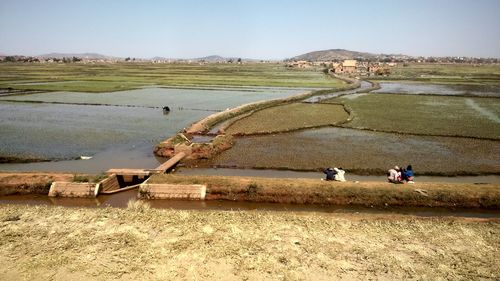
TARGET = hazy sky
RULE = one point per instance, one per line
(268, 29)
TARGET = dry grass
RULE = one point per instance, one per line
(289, 117)
(307, 191)
(47, 243)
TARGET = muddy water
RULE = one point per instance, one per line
(318, 175)
(364, 85)
(438, 89)
(113, 136)
(120, 200)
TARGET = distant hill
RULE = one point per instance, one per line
(217, 58)
(213, 58)
(82, 55)
(338, 54)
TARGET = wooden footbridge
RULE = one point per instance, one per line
(119, 180)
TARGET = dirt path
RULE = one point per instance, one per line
(54, 243)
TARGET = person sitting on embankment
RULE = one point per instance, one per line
(330, 174)
(394, 175)
(408, 175)
(339, 176)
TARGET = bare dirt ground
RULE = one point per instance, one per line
(32, 178)
(139, 243)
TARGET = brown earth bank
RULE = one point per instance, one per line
(295, 191)
(29, 183)
(307, 191)
(142, 243)
(39, 183)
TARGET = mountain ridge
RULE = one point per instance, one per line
(340, 54)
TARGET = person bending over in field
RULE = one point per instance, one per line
(330, 174)
(339, 176)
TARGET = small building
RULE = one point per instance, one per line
(349, 66)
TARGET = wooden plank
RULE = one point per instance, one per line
(173, 191)
(171, 162)
(121, 189)
(73, 189)
(108, 184)
(127, 172)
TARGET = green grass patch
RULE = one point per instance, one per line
(446, 73)
(289, 117)
(107, 77)
(426, 115)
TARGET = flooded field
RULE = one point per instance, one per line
(114, 134)
(439, 89)
(363, 152)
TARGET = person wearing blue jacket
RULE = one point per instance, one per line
(408, 175)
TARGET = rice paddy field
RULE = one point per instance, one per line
(363, 152)
(288, 118)
(443, 129)
(464, 74)
(426, 115)
(108, 77)
(421, 88)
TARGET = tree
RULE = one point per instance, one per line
(10, 58)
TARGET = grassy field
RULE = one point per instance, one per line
(123, 76)
(54, 243)
(426, 115)
(363, 152)
(447, 73)
(289, 117)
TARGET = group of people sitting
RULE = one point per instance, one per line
(335, 174)
(400, 175)
(394, 175)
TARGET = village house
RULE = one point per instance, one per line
(348, 66)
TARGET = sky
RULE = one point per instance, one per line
(261, 29)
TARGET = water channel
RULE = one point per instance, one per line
(120, 200)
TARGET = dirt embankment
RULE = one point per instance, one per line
(30, 183)
(297, 191)
(306, 191)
